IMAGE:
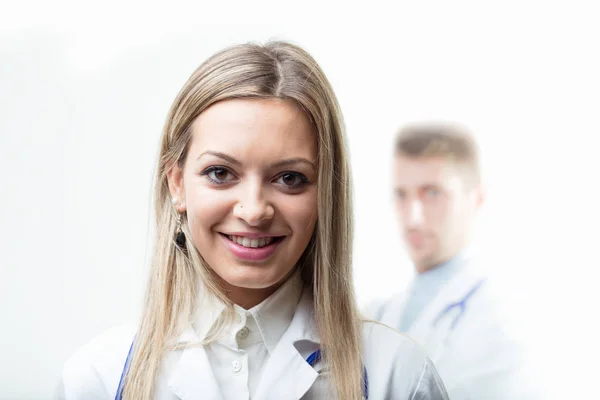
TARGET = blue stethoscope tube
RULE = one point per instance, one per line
(462, 305)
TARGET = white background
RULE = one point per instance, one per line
(84, 92)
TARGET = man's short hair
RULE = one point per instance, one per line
(446, 140)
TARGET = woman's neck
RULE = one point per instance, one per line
(248, 298)
(251, 297)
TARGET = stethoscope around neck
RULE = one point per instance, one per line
(461, 305)
(312, 360)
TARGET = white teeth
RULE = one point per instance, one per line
(253, 243)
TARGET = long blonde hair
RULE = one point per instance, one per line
(274, 70)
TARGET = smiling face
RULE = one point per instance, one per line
(248, 187)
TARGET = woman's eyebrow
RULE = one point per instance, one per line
(278, 164)
(220, 155)
(291, 161)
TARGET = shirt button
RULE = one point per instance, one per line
(243, 333)
(236, 366)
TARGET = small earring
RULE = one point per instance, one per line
(179, 235)
(175, 200)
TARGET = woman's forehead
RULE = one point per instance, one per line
(254, 128)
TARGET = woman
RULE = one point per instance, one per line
(251, 294)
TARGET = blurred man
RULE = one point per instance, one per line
(450, 307)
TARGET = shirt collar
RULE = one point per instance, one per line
(444, 271)
(272, 317)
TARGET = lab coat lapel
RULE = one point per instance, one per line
(287, 375)
(426, 330)
(395, 308)
(192, 377)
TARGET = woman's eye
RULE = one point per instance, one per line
(292, 180)
(218, 175)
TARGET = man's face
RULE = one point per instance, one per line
(435, 208)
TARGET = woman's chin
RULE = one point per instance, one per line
(251, 278)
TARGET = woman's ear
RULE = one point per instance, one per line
(176, 187)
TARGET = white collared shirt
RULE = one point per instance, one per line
(239, 357)
(272, 368)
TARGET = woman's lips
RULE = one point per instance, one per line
(256, 248)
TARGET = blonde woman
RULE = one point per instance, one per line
(250, 294)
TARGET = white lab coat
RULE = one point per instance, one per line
(397, 368)
(480, 357)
